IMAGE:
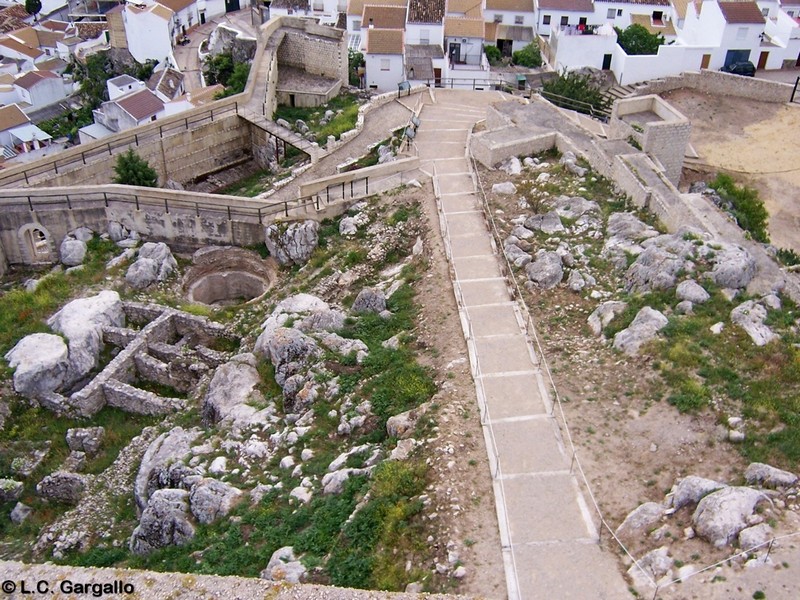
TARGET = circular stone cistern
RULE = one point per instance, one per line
(226, 275)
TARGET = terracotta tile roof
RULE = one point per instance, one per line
(518, 5)
(293, 4)
(680, 7)
(647, 22)
(31, 78)
(639, 2)
(470, 8)
(10, 19)
(162, 11)
(11, 116)
(384, 41)
(384, 17)
(461, 27)
(176, 5)
(167, 81)
(140, 104)
(53, 25)
(741, 12)
(18, 11)
(13, 44)
(355, 8)
(204, 95)
(426, 11)
(90, 31)
(490, 32)
(54, 64)
(26, 35)
(48, 39)
(567, 5)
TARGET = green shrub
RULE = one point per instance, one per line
(747, 207)
(493, 54)
(788, 257)
(132, 169)
(529, 56)
(636, 39)
(575, 91)
(690, 397)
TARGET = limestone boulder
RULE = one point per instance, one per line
(85, 439)
(511, 166)
(72, 252)
(575, 207)
(81, 322)
(232, 391)
(369, 300)
(283, 565)
(570, 162)
(211, 499)
(20, 513)
(549, 223)
(547, 271)
(756, 536)
(117, 231)
(167, 449)
(750, 316)
(402, 426)
(691, 291)
(323, 320)
(289, 350)
(10, 490)
(333, 483)
(40, 362)
(690, 490)
(640, 521)
(656, 268)
(720, 516)
(155, 263)
(652, 567)
(645, 327)
(292, 245)
(62, 486)
(734, 267)
(82, 234)
(768, 476)
(142, 273)
(165, 522)
(505, 188)
(604, 314)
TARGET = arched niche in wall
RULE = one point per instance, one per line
(35, 243)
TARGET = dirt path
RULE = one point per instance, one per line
(757, 144)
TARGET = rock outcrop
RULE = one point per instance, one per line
(293, 244)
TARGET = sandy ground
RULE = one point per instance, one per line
(757, 144)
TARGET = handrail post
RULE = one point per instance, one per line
(166, 206)
(105, 199)
(136, 197)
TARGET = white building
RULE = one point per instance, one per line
(148, 31)
(122, 85)
(40, 88)
(384, 59)
(733, 31)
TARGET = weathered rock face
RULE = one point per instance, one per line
(155, 263)
(284, 566)
(333, 483)
(656, 564)
(62, 486)
(692, 291)
(403, 425)
(546, 271)
(750, 316)
(645, 326)
(166, 449)
(20, 513)
(639, 521)
(211, 499)
(82, 322)
(10, 490)
(294, 244)
(604, 314)
(656, 268)
(549, 223)
(755, 536)
(72, 252)
(624, 233)
(165, 522)
(768, 476)
(41, 362)
(369, 300)
(506, 188)
(721, 515)
(234, 385)
(288, 349)
(88, 439)
(692, 489)
(734, 267)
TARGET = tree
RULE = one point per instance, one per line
(131, 169)
(529, 56)
(493, 54)
(635, 39)
(576, 92)
(355, 60)
(32, 7)
(219, 68)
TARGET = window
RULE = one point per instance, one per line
(741, 33)
(546, 20)
(612, 12)
(519, 20)
(498, 18)
(764, 12)
(425, 36)
(790, 13)
(564, 21)
(619, 12)
(385, 64)
(357, 24)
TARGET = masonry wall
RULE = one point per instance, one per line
(314, 50)
(667, 143)
(714, 82)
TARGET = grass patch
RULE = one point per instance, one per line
(748, 208)
(341, 122)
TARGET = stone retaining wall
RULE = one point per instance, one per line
(721, 84)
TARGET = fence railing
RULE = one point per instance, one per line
(476, 84)
(601, 114)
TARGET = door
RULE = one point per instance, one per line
(454, 53)
(231, 5)
(202, 18)
(705, 61)
(762, 60)
(505, 47)
(606, 62)
(437, 77)
(582, 21)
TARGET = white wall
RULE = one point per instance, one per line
(575, 51)
(46, 92)
(386, 81)
(435, 33)
(148, 36)
(509, 17)
(670, 60)
(622, 21)
(186, 17)
(471, 50)
(705, 29)
(555, 20)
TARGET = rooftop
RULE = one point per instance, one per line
(384, 17)
(355, 8)
(470, 8)
(426, 11)
(384, 41)
(741, 12)
(11, 116)
(518, 5)
(140, 104)
(122, 80)
(31, 78)
(567, 5)
(647, 22)
(463, 27)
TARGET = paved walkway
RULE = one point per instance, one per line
(549, 541)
